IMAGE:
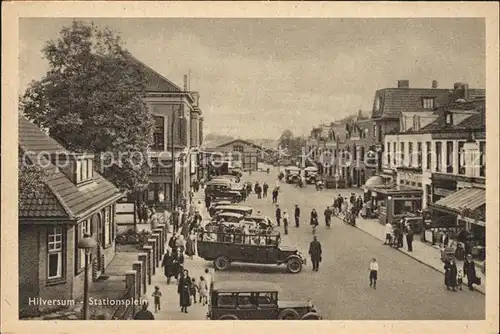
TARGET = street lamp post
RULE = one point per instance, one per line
(180, 116)
(87, 243)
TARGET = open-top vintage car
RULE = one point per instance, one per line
(255, 300)
(311, 174)
(263, 248)
(292, 174)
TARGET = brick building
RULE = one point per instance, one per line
(76, 200)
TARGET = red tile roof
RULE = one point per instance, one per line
(62, 198)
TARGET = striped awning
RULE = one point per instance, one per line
(470, 198)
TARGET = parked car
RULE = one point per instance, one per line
(225, 248)
(240, 209)
(255, 300)
(217, 203)
(230, 217)
(262, 220)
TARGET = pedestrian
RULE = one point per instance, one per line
(145, 215)
(275, 195)
(286, 219)
(203, 289)
(409, 238)
(450, 275)
(400, 235)
(191, 195)
(196, 186)
(328, 216)
(207, 276)
(444, 240)
(340, 201)
(315, 253)
(373, 273)
(278, 215)
(388, 233)
(208, 200)
(144, 313)
(139, 213)
(470, 272)
(202, 183)
(183, 289)
(168, 264)
(265, 187)
(190, 251)
(314, 220)
(359, 205)
(156, 295)
(193, 289)
(172, 242)
(175, 220)
(178, 264)
(297, 215)
(460, 279)
(352, 199)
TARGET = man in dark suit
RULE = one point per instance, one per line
(315, 253)
(297, 215)
(409, 238)
(278, 215)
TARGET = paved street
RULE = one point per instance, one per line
(407, 289)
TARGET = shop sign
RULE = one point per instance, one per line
(374, 193)
(443, 192)
(410, 177)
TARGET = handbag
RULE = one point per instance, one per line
(478, 280)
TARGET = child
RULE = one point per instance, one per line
(192, 289)
(157, 294)
(203, 289)
(460, 276)
(373, 273)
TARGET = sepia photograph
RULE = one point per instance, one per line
(260, 168)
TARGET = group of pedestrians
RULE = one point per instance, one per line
(453, 277)
(395, 233)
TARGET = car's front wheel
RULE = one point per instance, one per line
(221, 263)
(228, 317)
(294, 265)
(288, 314)
(311, 316)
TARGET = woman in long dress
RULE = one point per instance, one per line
(190, 246)
(183, 289)
(168, 266)
(450, 275)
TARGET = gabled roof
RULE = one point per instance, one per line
(395, 100)
(155, 82)
(61, 197)
(474, 119)
(243, 141)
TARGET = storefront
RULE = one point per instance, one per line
(442, 186)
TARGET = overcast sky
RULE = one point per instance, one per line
(258, 77)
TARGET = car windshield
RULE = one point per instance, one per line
(246, 299)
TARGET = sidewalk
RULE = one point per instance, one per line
(423, 253)
(170, 309)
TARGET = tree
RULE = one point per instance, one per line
(91, 101)
(292, 144)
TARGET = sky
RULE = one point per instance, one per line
(258, 77)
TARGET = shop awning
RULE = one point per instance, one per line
(471, 198)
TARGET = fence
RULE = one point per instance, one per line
(125, 310)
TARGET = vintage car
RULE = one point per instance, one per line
(311, 174)
(262, 248)
(292, 174)
(217, 203)
(240, 209)
(261, 220)
(222, 189)
(255, 300)
(227, 217)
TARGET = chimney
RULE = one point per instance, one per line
(403, 84)
(457, 85)
(434, 84)
(185, 83)
(465, 87)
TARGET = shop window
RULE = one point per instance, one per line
(55, 252)
(482, 158)
(158, 134)
(439, 157)
(449, 157)
(461, 158)
(402, 207)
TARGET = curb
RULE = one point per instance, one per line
(416, 259)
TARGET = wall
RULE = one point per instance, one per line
(28, 268)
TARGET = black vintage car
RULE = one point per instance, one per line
(255, 300)
(224, 248)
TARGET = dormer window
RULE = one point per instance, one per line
(84, 169)
(428, 102)
(449, 119)
(377, 104)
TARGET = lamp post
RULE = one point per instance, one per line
(177, 111)
(87, 243)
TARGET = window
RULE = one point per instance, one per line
(461, 158)
(374, 130)
(90, 168)
(449, 157)
(238, 148)
(402, 162)
(428, 155)
(394, 148)
(84, 230)
(449, 118)
(428, 102)
(402, 207)
(428, 192)
(107, 226)
(78, 171)
(389, 154)
(482, 158)
(83, 170)
(225, 299)
(55, 252)
(439, 158)
(377, 104)
(410, 154)
(158, 133)
(362, 157)
(354, 153)
(419, 155)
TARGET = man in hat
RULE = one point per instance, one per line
(315, 253)
(297, 215)
(278, 215)
(144, 313)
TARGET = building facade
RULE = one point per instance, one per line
(241, 153)
(178, 131)
(74, 201)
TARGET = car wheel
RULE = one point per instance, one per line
(294, 265)
(288, 314)
(311, 316)
(228, 317)
(221, 263)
